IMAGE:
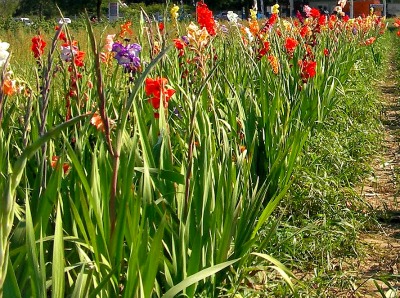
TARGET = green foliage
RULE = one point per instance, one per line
(135, 205)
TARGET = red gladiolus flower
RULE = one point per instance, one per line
(179, 45)
(322, 20)
(161, 26)
(38, 45)
(205, 18)
(304, 31)
(397, 23)
(398, 33)
(291, 44)
(54, 161)
(264, 50)
(62, 35)
(78, 58)
(269, 23)
(158, 90)
(315, 13)
(308, 69)
(326, 52)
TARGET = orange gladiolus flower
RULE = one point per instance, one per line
(125, 29)
(97, 121)
(8, 87)
(273, 61)
(254, 28)
(370, 41)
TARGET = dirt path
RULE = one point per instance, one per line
(382, 190)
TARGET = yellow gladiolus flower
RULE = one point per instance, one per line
(253, 14)
(174, 12)
(275, 8)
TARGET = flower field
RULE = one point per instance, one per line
(149, 159)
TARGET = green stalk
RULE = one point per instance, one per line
(8, 198)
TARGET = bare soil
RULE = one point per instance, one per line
(379, 270)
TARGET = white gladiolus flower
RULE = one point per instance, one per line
(232, 17)
(249, 34)
(3, 52)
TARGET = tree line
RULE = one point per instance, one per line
(99, 8)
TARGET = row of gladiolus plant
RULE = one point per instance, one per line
(146, 162)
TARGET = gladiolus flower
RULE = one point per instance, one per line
(397, 23)
(161, 26)
(322, 20)
(109, 42)
(342, 3)
(253, 14)
(70, 52)
(38, 45)
(308, 69)
(180, 46)
(307, 10)
(62, 35)
(305, 31)
(314, 13)
(54, 161)
(125, 29)
(196, 35)
(97, 122)
(253, 25)
(8, 87)
(159, 92)
(270, 23)
(274, 62)
(174, 12)
(232, 17)
(275, 9)
(264, 50)
(127, 56)
(205, 18)
(326, 52)
(370, 41)
(291, 44)
(3, 52)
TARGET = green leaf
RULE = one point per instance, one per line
(58, 278)
(153, 261)
(190, 280)
(10, 287)
(282, 270)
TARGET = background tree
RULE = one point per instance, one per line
(8, 8)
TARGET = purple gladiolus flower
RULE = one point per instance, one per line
(127, 56)
(185, 39)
